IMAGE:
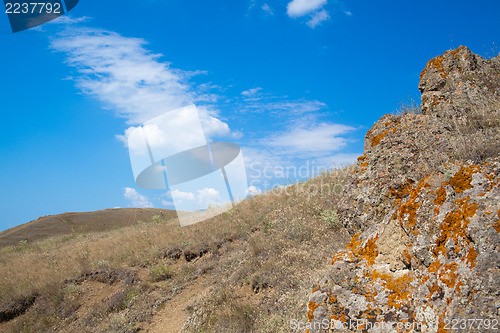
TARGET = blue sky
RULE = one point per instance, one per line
(294, 83)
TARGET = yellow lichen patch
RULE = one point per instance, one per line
(497, 224)
(449, 275)
(398, 289)
(370, 131)
(411, 206)
(377, 138)
(362, 158)
(439, 200)
(434, 267)
(454, 226)
(434, 289)
(441, 196)
(402, 191)
(436, 63)
(471, 257)
(367, 251)
(343, 255)
(461, 181)
(312, 306)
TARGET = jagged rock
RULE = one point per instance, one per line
(425, 221)
(459, 81)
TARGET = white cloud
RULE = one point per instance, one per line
(285, 108)
(137, 199)
(251, 92)
(183, 195)
(67, 19)
(298, 8)
(310, 139)
(317, 18)
(126, 77)
(166, 203)
(253, 191)
(208, 196)
(122, 74)
(313, 8)
(267, 9)
(348, 13)
(200, 198)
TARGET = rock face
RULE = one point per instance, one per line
(424, 213)
(458, 82)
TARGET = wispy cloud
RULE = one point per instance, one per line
(251, 92)
(310, 139)
(312, 8)
(131, 80)
(282, 107)
(317, 18)
(137, 199)
(298, 8)
(267, 9)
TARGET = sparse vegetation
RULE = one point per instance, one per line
(331, 218)
(250, 262)
(409, 107)
(476, 136)
(160, 273)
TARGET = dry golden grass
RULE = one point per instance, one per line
(476, 137)
(260, 260)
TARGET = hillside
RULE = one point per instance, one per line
(80, 223)
(409, 234)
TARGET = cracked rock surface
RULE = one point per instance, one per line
(423, 209)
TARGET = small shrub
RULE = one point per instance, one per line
(160, 273)
(121, 300)
(331, 218)
(409, 107)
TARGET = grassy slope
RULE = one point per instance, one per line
(258, 258)
(79, 223)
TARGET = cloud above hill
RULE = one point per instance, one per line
(313, 8)
(131, 80)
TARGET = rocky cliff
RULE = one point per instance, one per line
(423, 208)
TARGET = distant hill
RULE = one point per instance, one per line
(69, 223)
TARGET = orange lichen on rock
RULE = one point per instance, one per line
(437, 63)
(497, 224)
(402, 191)
(471, 257)
(411, 206)
(441, 196)
(449, 275)
(368, 251)
(461, 181)
(312, 306)
(454, 226)
(362, 158)
(399, 289)
(377, 138)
